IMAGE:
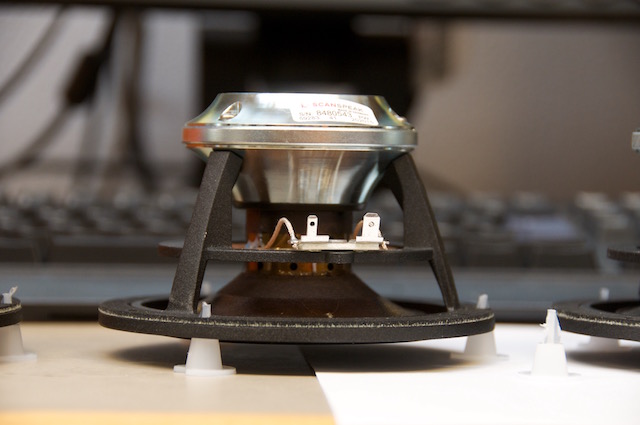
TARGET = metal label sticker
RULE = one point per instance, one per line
(333, 110)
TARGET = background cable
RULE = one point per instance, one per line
(34, 56)
(80, 89)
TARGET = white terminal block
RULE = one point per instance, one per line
(370, 240)
(204, 357)
(11, 347)
(550, 358)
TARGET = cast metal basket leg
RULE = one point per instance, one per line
(420, 228)
(210, 226)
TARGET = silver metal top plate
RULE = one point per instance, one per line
(299, 121)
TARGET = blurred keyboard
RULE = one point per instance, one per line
(526, 230)
(524, 250)
(481, 230)
(83, 229)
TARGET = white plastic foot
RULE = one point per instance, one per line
(597, 343)
(601, 344)
(204, 358)
(550, 358)
(11, 348)
(482, 346)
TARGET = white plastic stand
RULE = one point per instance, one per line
(11, 348)
(482, 346)
(601, 344)
(550, 358)
(204, 358)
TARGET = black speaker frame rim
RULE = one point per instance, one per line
(584, 317)
(131, 315)
(10, 314)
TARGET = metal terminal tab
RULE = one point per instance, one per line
(312, 231)
(370, 229)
